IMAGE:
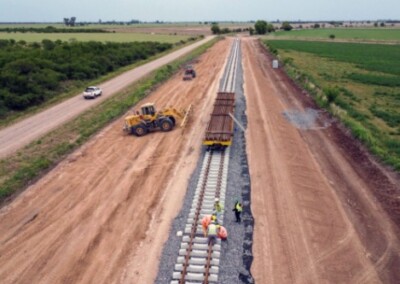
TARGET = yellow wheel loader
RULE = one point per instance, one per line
(149, 119)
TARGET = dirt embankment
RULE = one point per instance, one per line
(316, 217)
(103, 214)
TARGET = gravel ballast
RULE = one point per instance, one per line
(236, 251)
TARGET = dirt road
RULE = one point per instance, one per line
(316, 218)
(22, 133)
(103, 214)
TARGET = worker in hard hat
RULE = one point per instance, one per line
(238, 210)
(206, 221)
(218, 209)
(212, 233)
(222, 233)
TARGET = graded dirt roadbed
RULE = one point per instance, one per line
(22, 133)
(103, 214)
(316, 219)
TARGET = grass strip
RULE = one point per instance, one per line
(34, 160)
(333, 99)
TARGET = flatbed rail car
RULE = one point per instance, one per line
(219, 131)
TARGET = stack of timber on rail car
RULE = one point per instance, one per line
(219, 131)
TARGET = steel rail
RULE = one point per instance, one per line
(198, 261)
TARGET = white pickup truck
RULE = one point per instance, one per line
(92, 92)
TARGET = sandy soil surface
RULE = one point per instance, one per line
(20, 134)
(317, 217)
(103, 214)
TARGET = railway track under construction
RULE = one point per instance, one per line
(198, 261)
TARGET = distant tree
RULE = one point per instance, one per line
(382, 24)
(270, 28)
(261, 27)
(66, 21)
(251, 31)
(332, 36)
(133, 21)
(215, 29)
(225, 31)
(316, 26)
(286, 26)
(72, 21)
(375, 24)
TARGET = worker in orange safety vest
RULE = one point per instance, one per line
(207, 219)
(222, 232)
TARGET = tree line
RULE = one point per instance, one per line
(50, 29)
(31, 73)
(260, 27)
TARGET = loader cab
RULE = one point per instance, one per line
(148, 109)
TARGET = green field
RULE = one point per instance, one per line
(103, 37)
(360, 83)
(379, 34)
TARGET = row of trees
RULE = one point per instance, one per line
(70, 21)
(50, 29)
(32, 73)
(260, 27)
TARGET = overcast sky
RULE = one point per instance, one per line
(197, 10)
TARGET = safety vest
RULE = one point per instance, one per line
(212, 230)
(238, 207)
(206, 221)
(222, 233)
(218, 207)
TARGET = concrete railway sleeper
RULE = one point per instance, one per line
(198, 261)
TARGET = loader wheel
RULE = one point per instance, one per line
(166, 125)
(140, 130)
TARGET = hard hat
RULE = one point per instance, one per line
(216, 199)
(213, 217)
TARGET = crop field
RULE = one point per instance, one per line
(102, 37)
(360, 83)
(380, 34)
